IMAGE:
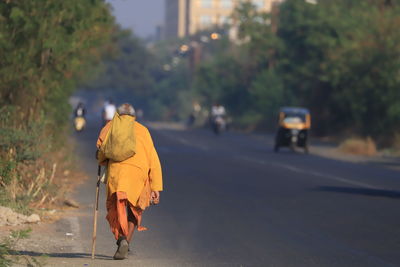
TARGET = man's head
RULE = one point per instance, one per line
(126, 109)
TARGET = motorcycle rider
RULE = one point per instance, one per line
(108, 111)
(218, 114)
(80, 110)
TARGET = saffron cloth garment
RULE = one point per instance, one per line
(130, 182)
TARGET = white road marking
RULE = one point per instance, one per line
(314, 173)
(185, 141)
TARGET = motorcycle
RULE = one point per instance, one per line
(218, 124)
(79, 123)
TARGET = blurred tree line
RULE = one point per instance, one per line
(134, 73)
(46, 50)
(339, 58)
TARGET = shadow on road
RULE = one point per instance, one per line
(69, 255)
(360, 191)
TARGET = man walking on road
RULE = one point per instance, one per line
(134, 177)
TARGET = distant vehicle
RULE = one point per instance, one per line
(217, 119)
(108, 111)
(79, 117)
(293, 128)
(218, 124)
(79, 123)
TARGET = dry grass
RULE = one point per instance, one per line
(396, 142)
(394, 149)
(359, 146)
(42, 184)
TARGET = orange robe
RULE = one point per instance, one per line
(126, 180)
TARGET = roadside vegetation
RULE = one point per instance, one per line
(339, 58)
(46, 50)
(9, 256)
(359, 146)
(129, 72)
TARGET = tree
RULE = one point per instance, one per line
(46, 49)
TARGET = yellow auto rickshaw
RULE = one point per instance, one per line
(293, 130)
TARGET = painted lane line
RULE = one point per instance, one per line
(188, 143)
(313, 173)
(185, 141)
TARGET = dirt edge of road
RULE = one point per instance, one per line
(57, 232)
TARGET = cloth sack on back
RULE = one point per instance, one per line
(120, 142)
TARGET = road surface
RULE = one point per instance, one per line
(230, 201)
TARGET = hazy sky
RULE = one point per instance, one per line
(140, 15)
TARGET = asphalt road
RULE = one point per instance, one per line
(230, 201)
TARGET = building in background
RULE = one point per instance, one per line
(175, 18)
(159, 33)
(186, 17)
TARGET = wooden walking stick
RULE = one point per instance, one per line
(96, 209)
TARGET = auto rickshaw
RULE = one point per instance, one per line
(294, 126)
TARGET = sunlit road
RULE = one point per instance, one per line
(230, 201)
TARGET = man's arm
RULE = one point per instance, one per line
(155, 172)
(155, 175)
(101, 158)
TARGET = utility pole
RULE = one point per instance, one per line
(195, 56)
